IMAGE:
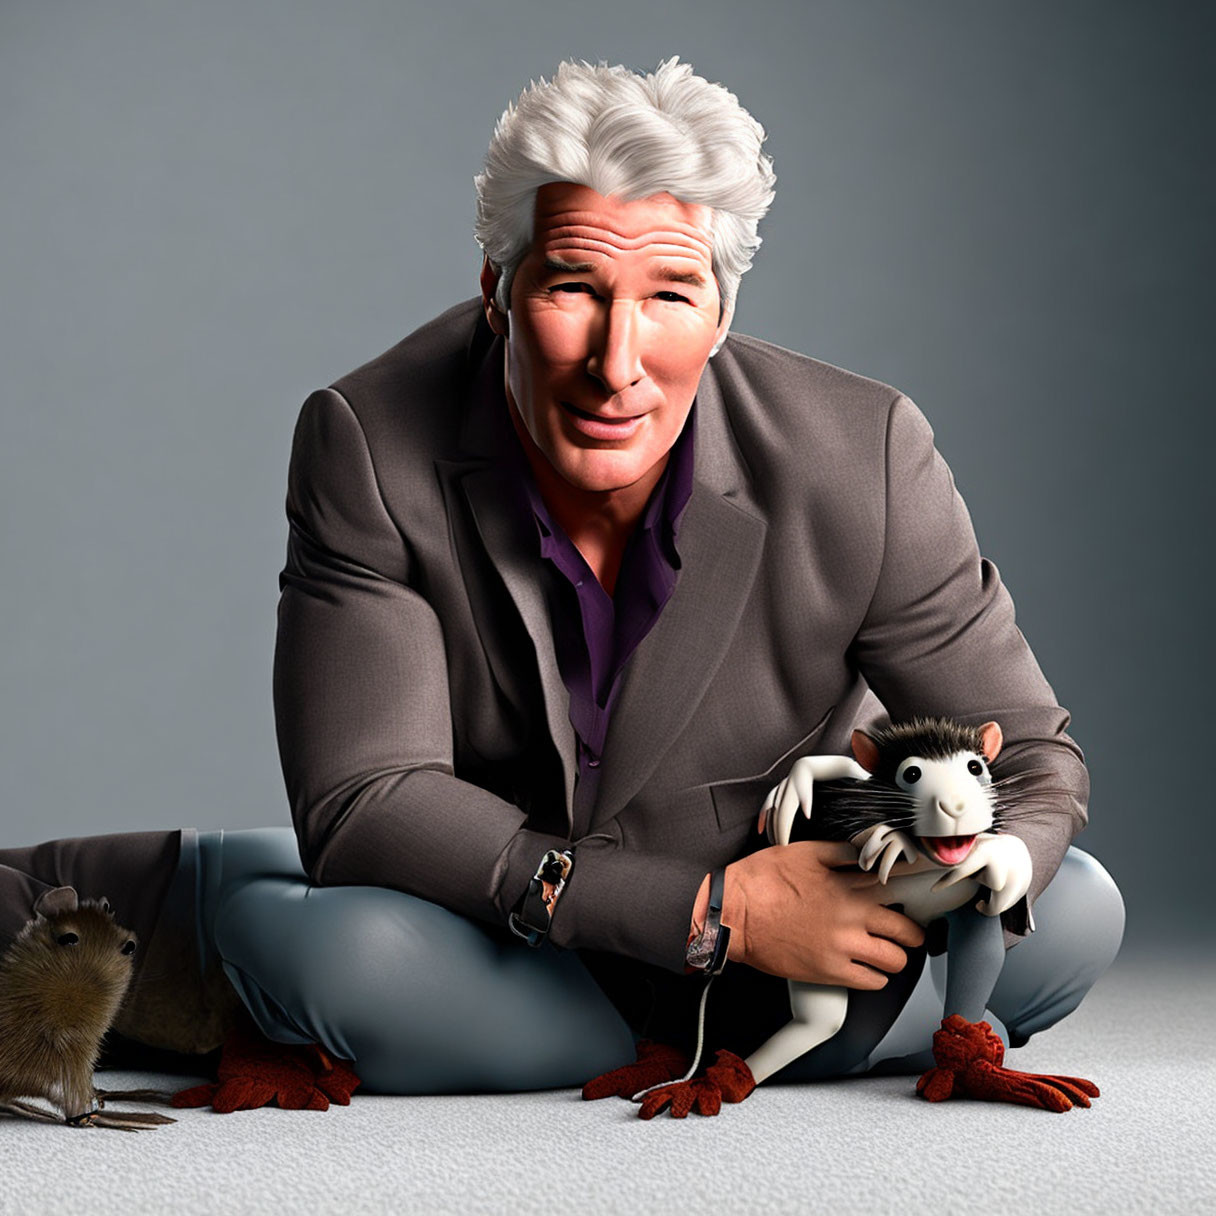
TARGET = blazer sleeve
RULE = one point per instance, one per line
(364, 721)
(939, 638)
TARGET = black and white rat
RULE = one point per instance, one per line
(922, 798)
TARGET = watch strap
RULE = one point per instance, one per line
(532, 915)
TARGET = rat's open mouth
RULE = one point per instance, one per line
(948, 850)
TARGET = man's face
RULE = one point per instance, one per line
(614, 311)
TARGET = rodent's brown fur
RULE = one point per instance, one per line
(56, 1003)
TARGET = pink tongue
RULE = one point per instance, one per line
(952, 849)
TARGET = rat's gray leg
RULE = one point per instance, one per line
(975, 956)
(1080, 918)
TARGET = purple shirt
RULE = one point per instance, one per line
(595, 633)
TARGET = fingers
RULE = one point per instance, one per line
(858, 975)
(884, 955)
(886, 923)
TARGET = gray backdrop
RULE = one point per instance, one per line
(207, 210)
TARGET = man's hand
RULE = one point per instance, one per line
(802, 912)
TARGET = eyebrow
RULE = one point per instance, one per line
(560, 267)
(665, 274)
(670, 275)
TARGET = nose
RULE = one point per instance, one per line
(953, 811)
(616, 351)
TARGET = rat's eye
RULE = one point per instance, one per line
(128, 947)
(911, 774)
(68, 939)
(975, 768)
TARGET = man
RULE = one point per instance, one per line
(573, 577)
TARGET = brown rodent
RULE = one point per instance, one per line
(61, 983)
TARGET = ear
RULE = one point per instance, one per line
(990, 734)
(865, 750)
(724, 321)
(53, 902)
(495, 316)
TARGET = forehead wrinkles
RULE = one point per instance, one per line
(589, 232)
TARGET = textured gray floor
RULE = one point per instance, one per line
(1144, 1034)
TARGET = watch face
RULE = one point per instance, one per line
(701, 953)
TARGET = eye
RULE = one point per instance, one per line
(911, 774)
(975, 768)
(128, 947)
(572, 288)
(671, 297)
(68, 939)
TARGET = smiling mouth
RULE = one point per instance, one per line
(947, 850)
(597, 426)
(598, 417)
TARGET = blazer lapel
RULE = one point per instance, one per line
(720, 547)
(490, 488)
(488, 491)
(720, 542)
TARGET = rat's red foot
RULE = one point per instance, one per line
(970, 1064)
(655, 1064)
(728, 1079)
(255, 1072)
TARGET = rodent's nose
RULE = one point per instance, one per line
(954, 812)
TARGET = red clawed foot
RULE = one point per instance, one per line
(254, 1072)
(970, 1064)
(728, 1079)
(655, 1064)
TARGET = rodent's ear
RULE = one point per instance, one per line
(992, 738)
(104, 904)
(865, 750)
(52, 903)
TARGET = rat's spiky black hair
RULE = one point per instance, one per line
(929, 738)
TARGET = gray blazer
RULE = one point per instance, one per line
(423, 724)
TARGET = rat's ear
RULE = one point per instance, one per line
(865, 750)
(990, 734)
(52, 903)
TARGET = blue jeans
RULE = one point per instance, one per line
(426, 1001)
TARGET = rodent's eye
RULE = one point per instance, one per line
(68, 939)
(128, 947)
(911, 774)
(975, 768)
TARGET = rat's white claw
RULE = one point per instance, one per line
(854, 770)
(893, 852)
(802, 779)
(871, 847)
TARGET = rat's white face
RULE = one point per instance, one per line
(953, 803)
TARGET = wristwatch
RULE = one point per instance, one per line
(533, 914)
(707, 951)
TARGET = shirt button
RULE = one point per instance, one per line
(593, 762)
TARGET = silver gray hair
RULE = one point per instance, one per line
(630, 135)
